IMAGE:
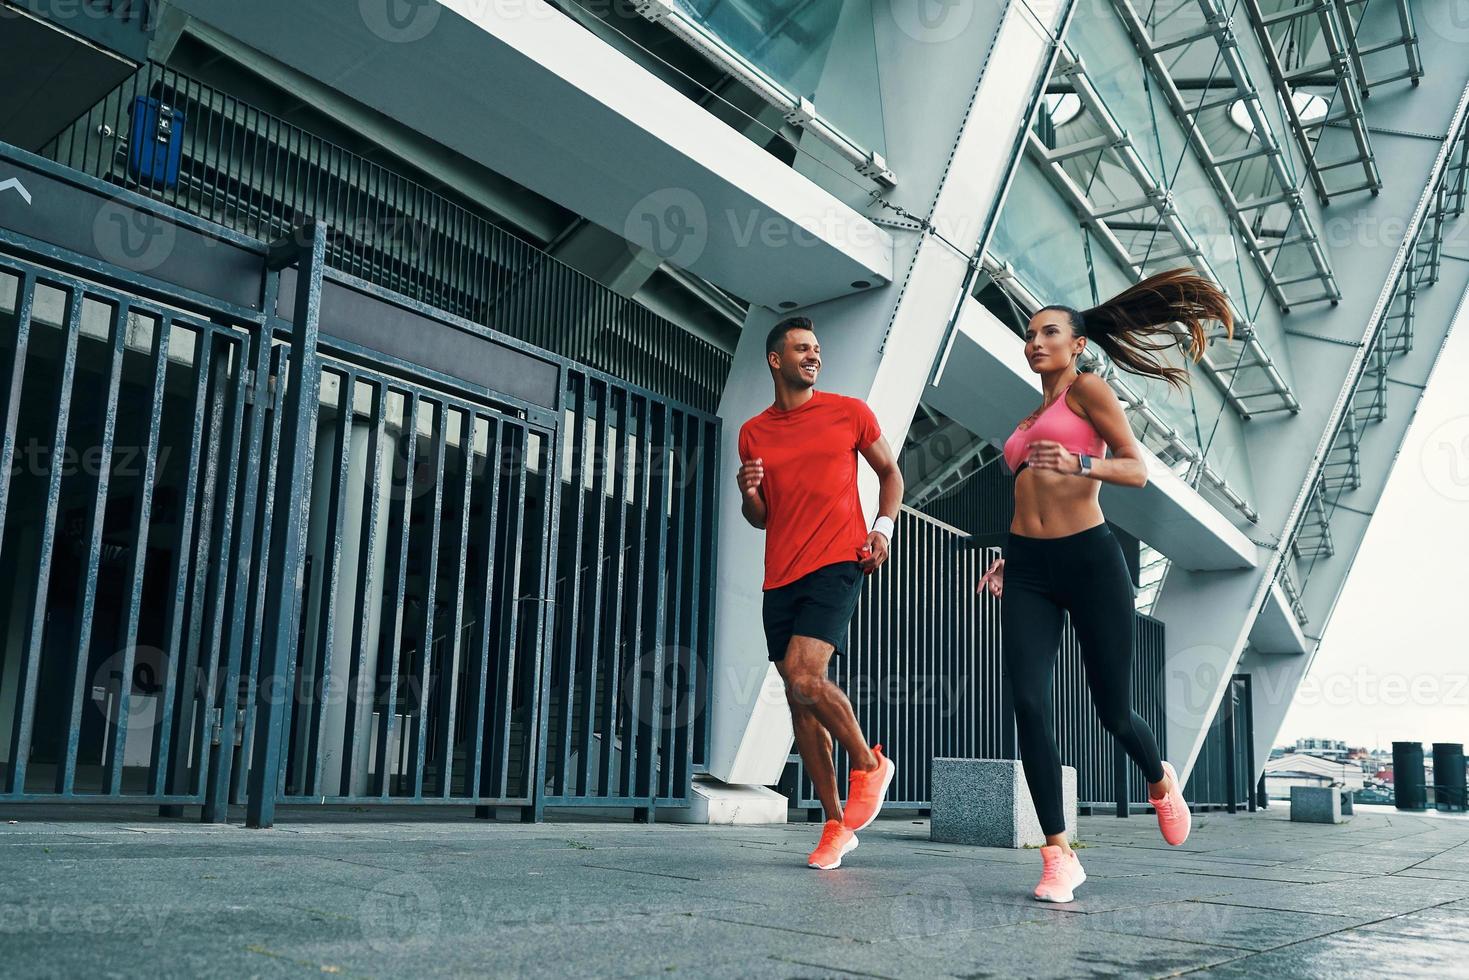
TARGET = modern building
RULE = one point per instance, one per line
(1297, 769)
(373, 371)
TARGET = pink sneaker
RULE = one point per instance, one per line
(865, 792)
(1174, 818)
(836, 843)
(1063, 872)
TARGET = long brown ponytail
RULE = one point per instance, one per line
(1133, 326)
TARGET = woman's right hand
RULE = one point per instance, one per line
(994, 579)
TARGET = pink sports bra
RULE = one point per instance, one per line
(1066, 427)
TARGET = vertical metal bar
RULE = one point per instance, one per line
(630, 747)
(287, 552)
(544, 598)
(262, 533)
(675, 773)
(66, 773)
(495, 439)
(179, 567)
(514, 536)
(393, 638)
(221, 762)
(419, 744)
(220, 590)
(25, 302)
(611, 640)
(1226, 709)
(447, 719)
(566, 656)
(191, 685)
(28, 674)
(331, 574)
(112, 765)
(657, 596)
(362, 687)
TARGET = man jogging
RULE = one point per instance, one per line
(798, 475)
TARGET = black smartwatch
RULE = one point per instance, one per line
(1086, 466)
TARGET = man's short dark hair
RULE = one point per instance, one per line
(775, 341)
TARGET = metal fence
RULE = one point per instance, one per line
(179, 141)
(626, 724)
(1222, 774)
(923, 673)
(122, 430)
(260, 556)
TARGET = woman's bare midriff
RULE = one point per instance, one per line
(1052, 505)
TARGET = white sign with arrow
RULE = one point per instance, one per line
(14, 184)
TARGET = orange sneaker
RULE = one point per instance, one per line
(865, 792)
(1173, 816)
(1062, 873)
(836, 843)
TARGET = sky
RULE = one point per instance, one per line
(1394, 661)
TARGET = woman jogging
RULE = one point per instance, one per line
(1060, 556)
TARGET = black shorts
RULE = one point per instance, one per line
(819, 605)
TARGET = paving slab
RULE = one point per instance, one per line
(369, 893)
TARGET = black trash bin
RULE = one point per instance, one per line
(1407, 776)
(1448, 775)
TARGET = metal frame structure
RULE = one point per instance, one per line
(259, 176)
(1389, 334)
(265, 421)
(1298, 237)
(1405, 38)
(798, 111)
(1279, 34)
(1108, 221)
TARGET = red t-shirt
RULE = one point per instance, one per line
(813, 515)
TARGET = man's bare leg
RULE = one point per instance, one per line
(809, 689)
(814, 743)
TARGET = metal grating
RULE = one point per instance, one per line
(1311, 53)
(1256, 183)
(1142, 230)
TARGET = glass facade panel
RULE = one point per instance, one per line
(797, 43)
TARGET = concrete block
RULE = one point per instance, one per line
(1346, 802)
(1316, 804)
(713, 802)
(986, 802)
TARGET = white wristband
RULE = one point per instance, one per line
(884, 525)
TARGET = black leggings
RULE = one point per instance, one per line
(1086, 575)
